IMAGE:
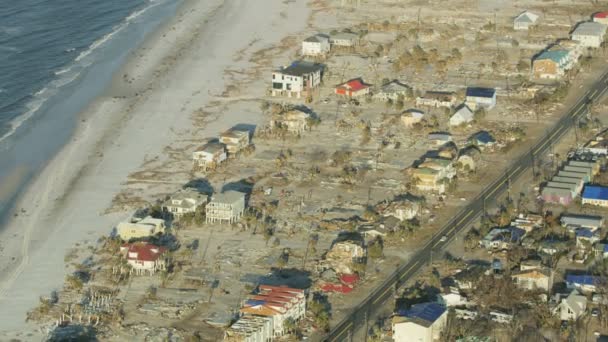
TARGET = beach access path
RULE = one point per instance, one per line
(176, 71)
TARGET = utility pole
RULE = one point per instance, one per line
(508, 186)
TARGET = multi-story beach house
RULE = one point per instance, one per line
(227, 207)
(317, 45)
(185, 201)
(235, 140)
(589, 34)
(210, 155)
(144, 257)
(295, 121)
(279, 303)
(297, 80)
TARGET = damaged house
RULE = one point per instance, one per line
(347, 250)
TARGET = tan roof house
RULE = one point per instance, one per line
(209, 156)
(468, 158)
(532, 279)
(428, 179)
(235, 140)
(295, 121)
(135, 228)
(226, 207)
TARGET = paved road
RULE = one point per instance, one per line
(345, 330)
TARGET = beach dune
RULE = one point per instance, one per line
(174, 73)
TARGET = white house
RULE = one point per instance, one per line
(463, 115)
(297, 80)
(277, 302)
(144, 257)
(392, 90)
(477, 98)
(524, 20)
(136, 228)
(317, 45)
(421, 323)
(343, 39)
(185, 201)
(589, 34)
(437, 99)
(571, 307)
(225, 207)
(210, 155)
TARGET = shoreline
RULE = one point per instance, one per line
(64, 204)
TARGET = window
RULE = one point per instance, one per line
(277, 85)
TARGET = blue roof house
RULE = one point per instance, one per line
(595, 195)
(421, 322)
(482, 139)
(583, 283)
(478, 98)
(586, 237)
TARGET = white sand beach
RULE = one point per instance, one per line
(178, 70)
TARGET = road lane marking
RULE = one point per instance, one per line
(408, 270)
(350, 324)
(549, 139)
(459, 222)
(593, 94)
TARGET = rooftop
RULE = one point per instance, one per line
(142, 251)
(595, 192)
(439, 95)
(354, 84)
(211, 147)
(526, 17)
(483, 137)
(230, 196)
(299, 68)
(589, 28)
(555, 55)
(583, 279)
(424, 314)
(317, 38)
(601, 15)
(480, 92)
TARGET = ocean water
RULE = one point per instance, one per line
(56, 56)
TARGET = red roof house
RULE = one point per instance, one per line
(144, 257)
(353, 88)
(601, 17)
